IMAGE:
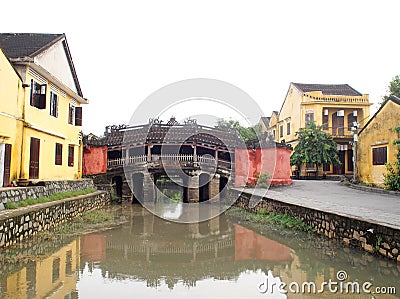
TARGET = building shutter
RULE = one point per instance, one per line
(379, 155)
(58, 160)
(78, 116)
(71, 155)
(7, 165)
(34, 158)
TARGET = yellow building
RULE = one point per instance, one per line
(47, 114)
(375, 144)
(336, 106)
(53, 276)
(11, 122)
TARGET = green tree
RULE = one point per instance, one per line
(315, 146)
(393, 88)
(247, 134)
(392, 176)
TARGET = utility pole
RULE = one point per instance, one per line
(355, 127)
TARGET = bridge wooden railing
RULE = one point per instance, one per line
(168, 159)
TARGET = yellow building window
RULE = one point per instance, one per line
(38, 95)
(71, 150)
(53, 104)
(58, 158)
(379, 155)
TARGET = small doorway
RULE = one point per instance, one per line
(7, 165)
(34, 158)
(340, 169)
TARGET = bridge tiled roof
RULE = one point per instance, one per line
(168, 133)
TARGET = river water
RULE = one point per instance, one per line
(225, 257)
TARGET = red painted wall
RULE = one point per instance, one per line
(275, 161)
(93, 247)
(252, 246)
(94, 160)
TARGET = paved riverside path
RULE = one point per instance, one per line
(331, 196)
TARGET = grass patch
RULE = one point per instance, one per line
(10, 205)
(90, 220)
(42, 199)
(263, 217)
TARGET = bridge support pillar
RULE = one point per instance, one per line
(214, 188)
(148, 188)
(193, 189)
(148, 224)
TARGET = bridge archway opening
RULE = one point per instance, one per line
(116, 182)
(223, 181)
(204, 189)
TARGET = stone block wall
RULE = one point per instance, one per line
(17, 225)
(46, 188)
(385, 239)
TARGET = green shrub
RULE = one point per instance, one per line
(263, 179)
(392, 177)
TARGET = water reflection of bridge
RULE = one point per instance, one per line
(140, 155)
(180, 253)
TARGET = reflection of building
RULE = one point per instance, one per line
(50, 277)
(151, 250)
(252, 246)
(375, 145)
(335, 106)
(43, 112)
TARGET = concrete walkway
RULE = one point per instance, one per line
(333, 197)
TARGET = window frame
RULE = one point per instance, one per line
(58, 154)
(71, 155)
(71, 114)
(53, 104)
(288, 128)
(281, 133)
(309, 117)
(37, 96)
(350, 119)
(379, 158)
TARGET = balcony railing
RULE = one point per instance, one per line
(169, 159)
(339, 131)
(338, 99)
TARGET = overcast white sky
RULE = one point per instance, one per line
(125, 50)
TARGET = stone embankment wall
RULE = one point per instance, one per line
(46, 188)
(385, 239)
(17, 225)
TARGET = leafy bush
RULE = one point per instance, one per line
(392, 176)
(262, 179)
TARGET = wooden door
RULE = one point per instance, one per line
(337, 125)
(7, 165)
(340, 169)
(34, 158)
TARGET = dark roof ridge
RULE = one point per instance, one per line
(392, 98)
(328, 89)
